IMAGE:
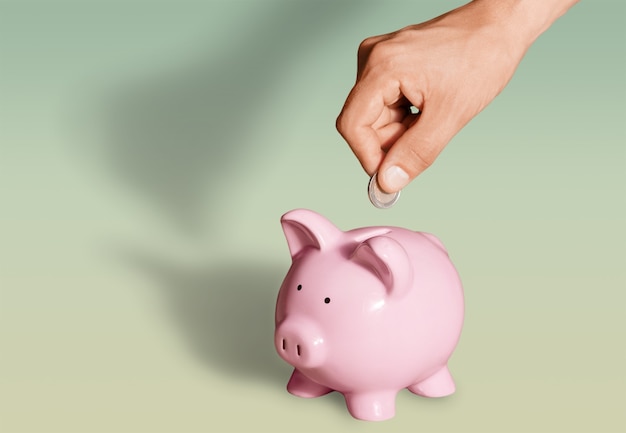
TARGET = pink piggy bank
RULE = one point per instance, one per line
(367, 312)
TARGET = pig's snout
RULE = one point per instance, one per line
(300, 343)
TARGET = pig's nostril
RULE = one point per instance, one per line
(284, 344)
(298, 349)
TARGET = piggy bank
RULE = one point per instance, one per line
(366, 312)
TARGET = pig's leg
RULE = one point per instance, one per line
(439, 384)
(375, 406)
(302, 386)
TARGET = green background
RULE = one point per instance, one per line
(148, 150)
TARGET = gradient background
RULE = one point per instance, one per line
(148, 150)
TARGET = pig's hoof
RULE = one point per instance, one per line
(372, 407)
(439, 384)
(302, 386)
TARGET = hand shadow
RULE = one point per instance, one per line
(173, 136)
(226, 313)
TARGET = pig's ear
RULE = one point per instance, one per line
(389, 261)
(304, 228)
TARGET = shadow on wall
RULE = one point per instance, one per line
(173, 136)
(170, 137)
(225, 313)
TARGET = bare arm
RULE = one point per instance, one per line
(450, 68)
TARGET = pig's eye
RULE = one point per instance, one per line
(327, 300)
(299, 287)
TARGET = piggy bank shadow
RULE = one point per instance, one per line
(224, 313)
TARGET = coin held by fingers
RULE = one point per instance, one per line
(378, 197)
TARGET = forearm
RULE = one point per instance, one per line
(450, 68)
(527, 19)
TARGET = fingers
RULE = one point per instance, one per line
(375, 115)
(416, 149)
(363, 108)
(387, 138)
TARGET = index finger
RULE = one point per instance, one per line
(363, 107)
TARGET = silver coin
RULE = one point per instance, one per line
(378, 197)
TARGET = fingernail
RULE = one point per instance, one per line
(395, 178)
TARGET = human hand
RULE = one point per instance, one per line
(450, 68)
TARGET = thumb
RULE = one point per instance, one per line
(416, 149)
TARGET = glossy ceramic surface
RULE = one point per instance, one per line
(367, 312)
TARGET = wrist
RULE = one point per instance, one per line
(525, 20)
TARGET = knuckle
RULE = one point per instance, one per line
(378, 49)
(341, 124)
(345, 127)
(423, 155)
(367, 43)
